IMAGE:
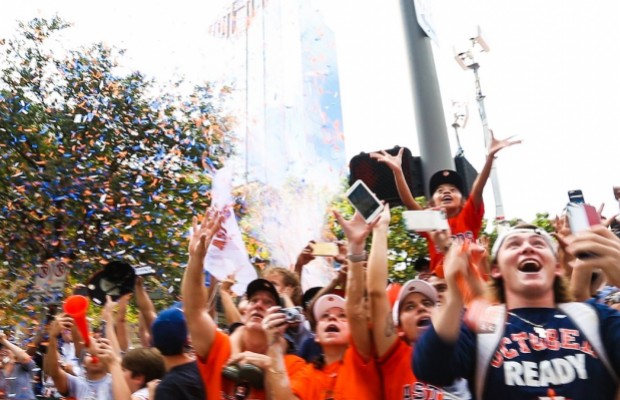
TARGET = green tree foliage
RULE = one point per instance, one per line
(98, 164)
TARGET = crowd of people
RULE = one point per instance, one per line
(533, 317)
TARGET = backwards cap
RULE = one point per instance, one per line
(326, 302)
(413, 286)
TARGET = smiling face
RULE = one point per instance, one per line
(332, 328)
(448, 197)
(528, 266)
(257, 309)
(415, 315)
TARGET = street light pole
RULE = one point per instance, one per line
(467, 61)
(499, 206)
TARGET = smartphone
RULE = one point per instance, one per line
(325, 249)
(575, 196)
(364, 201)
(582, 216)
(425, 220)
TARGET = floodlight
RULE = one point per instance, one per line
(481, 41)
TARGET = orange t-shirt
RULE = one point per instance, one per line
(399, 382)
(351, 378)
(218, 387)
(467, 222)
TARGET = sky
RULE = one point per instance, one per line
(550, 78)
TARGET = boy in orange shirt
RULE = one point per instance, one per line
(446, 189)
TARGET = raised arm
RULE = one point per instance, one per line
(107, 316)
(277, 381)
(303, 258)
(144, 303)
(20, 354)
(383, 327)
(112, 360)
(201, 326)
(120, 323)
(50, 362)
(447, 321)
(396, 165)
(477, 188)
(604, 248)
(357, 230)
(231, 312)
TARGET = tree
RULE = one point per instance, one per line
(98, 165)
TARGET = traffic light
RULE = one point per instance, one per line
(380, 179)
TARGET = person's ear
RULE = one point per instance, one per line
(495, 272)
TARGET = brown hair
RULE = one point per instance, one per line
(289, 278)
(144, 361)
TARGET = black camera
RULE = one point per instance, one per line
(249, 373)
(293, 315)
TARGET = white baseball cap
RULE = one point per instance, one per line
(413, 286)
(326, 302)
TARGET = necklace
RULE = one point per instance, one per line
(539, 329)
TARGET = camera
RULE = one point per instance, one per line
(293, 315)
(249, 373)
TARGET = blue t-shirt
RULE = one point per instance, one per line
(524, 365)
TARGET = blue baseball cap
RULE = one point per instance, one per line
(169, 332)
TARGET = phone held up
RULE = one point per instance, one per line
(576, 196)
(581, 216)
(364, 201)
(425, 220)
(324, 249)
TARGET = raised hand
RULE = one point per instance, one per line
(394, 162)
(496, 145)
(203, 234)
(355, 229)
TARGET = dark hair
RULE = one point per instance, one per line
(147, 362)
(318, 362)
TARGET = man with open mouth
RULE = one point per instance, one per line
(535, 343)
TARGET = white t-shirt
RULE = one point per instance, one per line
(141, 393)
(85, 389)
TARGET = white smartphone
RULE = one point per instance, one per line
(425, 220)
(364, 201)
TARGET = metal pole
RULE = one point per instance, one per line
(499, 207)
(428, 107)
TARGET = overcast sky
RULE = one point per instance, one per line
(551, 78)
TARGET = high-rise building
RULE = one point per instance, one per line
(280, 57)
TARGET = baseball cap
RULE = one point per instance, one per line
(413, 286)
(326, 302)
(262, 284)
(308, 295)
(115, 280)
(169, 332)
(445, 176)
(522, 228)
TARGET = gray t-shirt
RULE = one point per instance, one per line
(85, 389)
(19, 384)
